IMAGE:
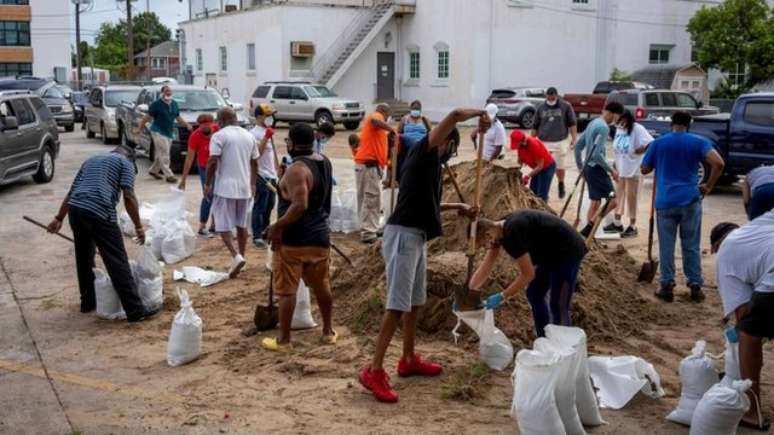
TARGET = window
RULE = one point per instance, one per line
(298, 94)
(651, 100)
(251, 57)
(580, 2)
(668, 100)
(96, 97)
(414, 65)
(685, 84)
(24, 113)
(685, 100)
(442, 61)
(737, 76)
(43, 113)
(261, 91)
(14, 2)
(761, 113)
(15, 69)
(282, 92)
(199, 60)
(659, 54)
(15, 33)
(695, 84)
(223, 59)
(319, 91)
(694, 55)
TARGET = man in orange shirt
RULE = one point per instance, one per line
(370, 160)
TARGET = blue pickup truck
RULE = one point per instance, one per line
(744, 137)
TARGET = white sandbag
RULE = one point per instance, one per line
(302, 313)
(535, 378)
(179, 241)
(585, 398)
(185, 338)
(731, 357)
(697, 375)
(567, 371)
(156, 237)
(108, 304)
(126, 224)
(721, 409)
(172, 207)
(197, 275)
(146, 213)
(494, 347)
(343, 217)
(149, 277)
(619, 379)
(386, 198)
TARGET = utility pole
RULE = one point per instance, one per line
(130, 42)
(78, 44)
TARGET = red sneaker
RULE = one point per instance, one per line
(418, 367)
(379, 383)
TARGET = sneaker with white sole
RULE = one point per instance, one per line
(260, 243)
(237, 263)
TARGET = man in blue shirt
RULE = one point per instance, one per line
(91, 205)
(676, 158)
(594, 141)
(163, 112)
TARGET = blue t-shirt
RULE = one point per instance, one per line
(98, 185)
(676, 158)
(594, 141)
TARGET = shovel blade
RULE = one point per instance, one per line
(466, 299)
(648, 271)
(266, 317)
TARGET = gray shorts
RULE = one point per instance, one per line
(230, 213)
(405, 256)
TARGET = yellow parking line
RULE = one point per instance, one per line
(96, 384)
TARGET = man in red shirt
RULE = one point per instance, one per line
(534, 154)
(199, 147)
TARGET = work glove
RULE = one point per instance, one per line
(269, 133)
(494, 301)
(525, 180)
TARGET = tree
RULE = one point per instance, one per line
(148, 30)
(620, 76)
(736, 32)
(109, 48)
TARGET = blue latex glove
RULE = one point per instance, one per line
(494, 301)
(732, 335)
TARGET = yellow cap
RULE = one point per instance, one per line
(264, 109)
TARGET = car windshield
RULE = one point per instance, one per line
(319, 92)
(80, 97)
(53, 92)
(206, 100)
(114, 98)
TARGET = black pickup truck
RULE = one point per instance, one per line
(744, 137)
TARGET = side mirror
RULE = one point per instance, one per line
(238, 107)
(142, 107)
(10, 123)
(699, 104)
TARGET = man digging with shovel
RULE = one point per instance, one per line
(415, 221)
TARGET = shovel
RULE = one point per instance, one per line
(38, 224)
(602, 212)
(267, 316)
(580, 205)
(454, 183)
(648, 271)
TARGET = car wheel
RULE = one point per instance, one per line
(103, 133)
(46, 167)
(89, 133)
(527, 119)
(69, 128)
(352, 125)
(323, 117)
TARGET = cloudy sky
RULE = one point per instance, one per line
(170, 11)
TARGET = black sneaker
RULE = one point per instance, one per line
(630, 232)
(666, 292)
(145, 315)
(613, 228)
(587, 230)
(697, 295)
(561, 190)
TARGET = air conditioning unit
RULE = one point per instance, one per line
(230, 8)
(301, 49)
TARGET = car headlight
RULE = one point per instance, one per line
(339, 106)
(67, 108)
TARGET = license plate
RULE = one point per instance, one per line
(583, 115)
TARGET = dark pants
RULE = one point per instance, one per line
(91, 232)
(204, 207)
(540, 184)
(761, 201)
(262, 207)
(560, 280)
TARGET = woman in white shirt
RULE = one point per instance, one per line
(630, 143)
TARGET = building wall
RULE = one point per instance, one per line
(50, 33)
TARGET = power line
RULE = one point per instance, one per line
(601, 17)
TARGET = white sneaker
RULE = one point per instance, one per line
(237, 263)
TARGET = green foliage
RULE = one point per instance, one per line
(466, 383)
(110, 44)
(736, 32)
(369, 312)
(620, 76)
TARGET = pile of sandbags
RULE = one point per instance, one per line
(108, 304)
(126, 224)
(494, 347)
(344, 218)
(149, 276)
(697, 376)
(172, 238)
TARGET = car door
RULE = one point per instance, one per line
(751, 134)
(686, 102)
(651, 102)
(91, 112)
(280, 98)
(27, 145)
(10, 142)
(143, 138)
(300, 105)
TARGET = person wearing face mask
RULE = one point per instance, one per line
(556, 125)
(266, 187)
(415, 221)
(300, 238)
(232, 173)
(163, 112)
(494, 139)
(412, 128)
(199, 148)
(323, 136)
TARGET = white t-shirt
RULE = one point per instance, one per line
(745, 263)
(494, 137)
(627, 162)
(266, 167)
(236, 148)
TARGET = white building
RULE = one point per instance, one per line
(445, 53)
(35, 38)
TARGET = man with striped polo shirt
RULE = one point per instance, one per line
(91, 204)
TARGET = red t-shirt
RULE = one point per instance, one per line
(200, 144)
(533, 151)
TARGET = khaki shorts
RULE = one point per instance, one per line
(559, 151)
(290, 264)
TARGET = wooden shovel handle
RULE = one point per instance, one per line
(477, 198)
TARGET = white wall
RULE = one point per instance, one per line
(50, 36)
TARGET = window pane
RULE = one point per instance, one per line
(760, 113)
(685, 100)
(261, 92)
(251, 56)
(443, 64)
(282, 92)
(668, 99)
(651, 100)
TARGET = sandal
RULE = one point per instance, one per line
(330, 339)
(763, 424)
(273, 345)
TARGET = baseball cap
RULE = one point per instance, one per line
(719, 232)
(264, 109)
(552, 91)
(516, 137)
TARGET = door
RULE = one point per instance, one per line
(92, 111)
(212, 80)
(10, 143)
(385, 76)
(300, 106)
(750, 135)
(26, 143)
(280, 99)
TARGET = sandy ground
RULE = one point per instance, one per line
(63, 372)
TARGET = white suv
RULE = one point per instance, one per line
(308, 102)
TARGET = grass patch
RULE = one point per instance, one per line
(370, 310)
(50, 304)
(466, 383)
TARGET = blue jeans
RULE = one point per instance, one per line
(204, 207)
(540, 184)
(263, 205)
(688, 220)
(560, 280)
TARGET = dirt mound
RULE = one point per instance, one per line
(609, 304)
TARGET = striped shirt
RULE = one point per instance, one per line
(97, 187)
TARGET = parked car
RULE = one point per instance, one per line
(590, 106)
(192, 101)
(308, 102)
(29, 141)
(517, 105)
(101, 110)
(79, 100)
(744, 137)
(658, 103)
(59, 106)
(606, 87)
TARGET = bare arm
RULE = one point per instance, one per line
(296, 188)
(253, 174)
(133, 209)
(484, 269)
(717, 164)
(381, 124)
(212, 166)
(145, 119)
(183, 122)
(526, 275)
(746, 194)
(645, 170)
(573, 135)
(540, 164)
(439, 134)
(56, 224)
(189, 158)
(402, 125)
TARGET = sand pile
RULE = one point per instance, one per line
(609, 303)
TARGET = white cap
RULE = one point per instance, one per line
(491, 110)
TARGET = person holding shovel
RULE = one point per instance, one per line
(266, 185)
(548, 253)
(415, 221)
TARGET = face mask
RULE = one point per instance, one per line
(551, 103)
(167, 98)
(322, 141)
(416, 113)
(268, 121)
(389, 119)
